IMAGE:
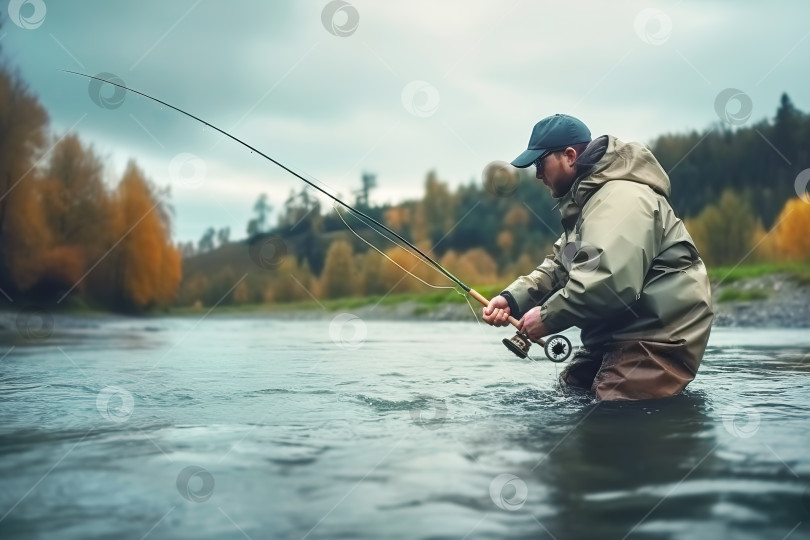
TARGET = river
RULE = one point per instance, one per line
(252, 427)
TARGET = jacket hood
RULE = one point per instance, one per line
(607, 158)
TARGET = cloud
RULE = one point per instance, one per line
(333, 105)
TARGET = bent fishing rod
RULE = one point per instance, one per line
(557, 348)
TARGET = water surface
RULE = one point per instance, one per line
(235, 427)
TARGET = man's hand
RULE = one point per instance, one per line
(497, 312)
(532, 326)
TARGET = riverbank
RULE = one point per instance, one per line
(764, 296)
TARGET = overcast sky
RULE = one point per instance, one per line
(336, 88)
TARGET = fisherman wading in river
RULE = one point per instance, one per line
(625, 270)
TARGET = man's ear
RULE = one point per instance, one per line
(570, 155)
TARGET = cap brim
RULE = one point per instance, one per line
(527, 158)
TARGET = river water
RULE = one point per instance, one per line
(249, 427)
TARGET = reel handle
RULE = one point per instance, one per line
(513, 321)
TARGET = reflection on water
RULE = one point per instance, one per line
(245, 427)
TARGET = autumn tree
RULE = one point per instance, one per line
(77, 210)
(435, 215)
(24, 236)
(478, 267)
(148, 263)
(792, 230)
(370, 273)
(398, 218)
(293, 282)
(724, 232)
(337, 278)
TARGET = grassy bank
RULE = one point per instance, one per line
(431, 299)
(424, 301)
(800, 271)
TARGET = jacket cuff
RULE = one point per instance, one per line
(555, 315)
(514, 309)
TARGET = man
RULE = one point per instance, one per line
(625, 270)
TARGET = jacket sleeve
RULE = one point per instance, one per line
(620, 235)
(529, 291)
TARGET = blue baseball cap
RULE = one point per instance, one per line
(553, 133)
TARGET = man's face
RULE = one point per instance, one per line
(557, 171)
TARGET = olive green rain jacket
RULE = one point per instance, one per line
(627, 273)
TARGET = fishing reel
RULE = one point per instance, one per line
(557, 348)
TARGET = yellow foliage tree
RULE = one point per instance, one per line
(438, 207)
(478, 267)
(396, 217)
(370, 265)
(724, 233)
(293, 282)
(474, 267)
(505, 241)
(395, 276)
(150, 265)
(24, 236)
(337, 278)
(792, 230)
(77, 209)
(75, 199)
(516, 216)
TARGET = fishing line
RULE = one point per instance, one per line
(301, 177)
(518, 344)
(369, 244)
(403, 248)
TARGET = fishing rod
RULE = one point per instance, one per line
(557, 348)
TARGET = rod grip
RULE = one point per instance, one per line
(482, 299)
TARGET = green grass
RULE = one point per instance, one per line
(428, 300)
(425, 302)
(800, 271)
(732, 294)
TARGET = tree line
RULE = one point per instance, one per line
(66, 234)
(734, 188)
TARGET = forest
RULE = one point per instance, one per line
(69, 238)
